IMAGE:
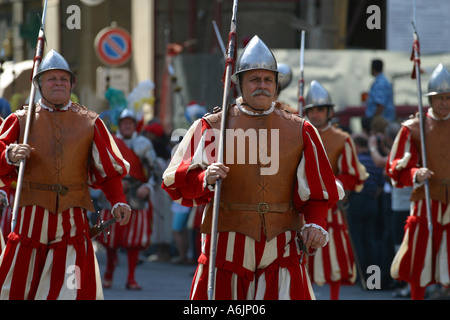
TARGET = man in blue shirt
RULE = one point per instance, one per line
(5, 108)
(381, 100)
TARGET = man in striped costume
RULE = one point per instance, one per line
(135, 236)
(263, 197)
(3, 204)
(334, 264)
(423, 258)
(49, 254)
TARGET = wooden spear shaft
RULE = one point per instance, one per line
(422, 129)
(30, 116)
(228, 71)
(301, 82)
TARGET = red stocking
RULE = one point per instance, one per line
(417, 292)
(334, 290)
(133, 256)
(111, 260)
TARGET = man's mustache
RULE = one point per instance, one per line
(261, 91)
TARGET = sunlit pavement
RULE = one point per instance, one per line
(168, 281)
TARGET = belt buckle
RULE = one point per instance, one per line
(266, 207)
(58, 188)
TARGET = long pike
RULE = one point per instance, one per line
(301, 81)
(228, 70)
(416, 74)
(30, 115)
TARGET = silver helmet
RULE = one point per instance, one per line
(286, 71)
(256, 55)
(52, 61)
(439, 81)
(317, 96)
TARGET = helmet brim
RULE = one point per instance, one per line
(434, 93)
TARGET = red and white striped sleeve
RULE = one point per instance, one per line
(351, 172)
(9, 133)
(184, 178)
(107, 167)
(403, 160)
(317, 187)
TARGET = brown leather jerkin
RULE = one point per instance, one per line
(56, 173)
(251, 202)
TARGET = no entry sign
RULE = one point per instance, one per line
(113, 46)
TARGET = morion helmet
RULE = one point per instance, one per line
(439, 81)
(256, 55)
(52, 61)
(286, 71)
(317, 96)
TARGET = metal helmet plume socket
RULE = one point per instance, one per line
(317, 96)
(52, 61)
(439, 81)
(256, 55)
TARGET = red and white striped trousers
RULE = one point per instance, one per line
(253, 270)
(334, 262)
(50, 256)
(423, 259)
(2, 241)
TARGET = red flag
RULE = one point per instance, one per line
(415, 48)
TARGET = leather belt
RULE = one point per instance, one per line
(56, 187)
(442, 182)
(262, 207)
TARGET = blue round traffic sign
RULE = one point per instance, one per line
(113, 46)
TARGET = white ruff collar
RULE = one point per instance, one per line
(431, 114)
(251, 113)
(66, 107)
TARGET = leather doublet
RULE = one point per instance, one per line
(333, 141)
(252, 202)
(437, 153)
(56, 173)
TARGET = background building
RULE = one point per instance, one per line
(338, 33)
